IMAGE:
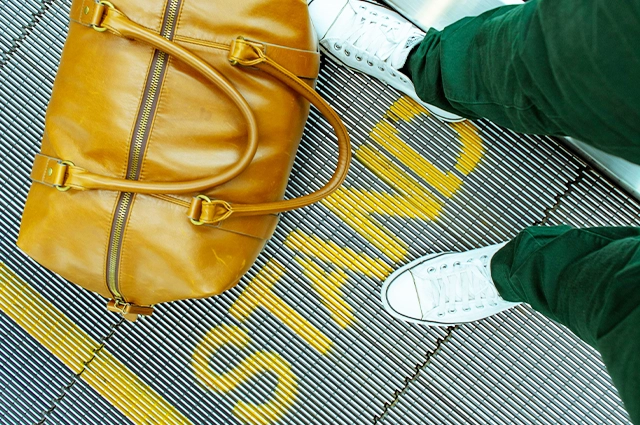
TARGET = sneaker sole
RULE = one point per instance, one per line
(337, 61)
(393, 276)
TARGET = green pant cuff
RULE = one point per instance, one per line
(501, 273)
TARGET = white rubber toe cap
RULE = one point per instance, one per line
(400, 298)
(324, 13)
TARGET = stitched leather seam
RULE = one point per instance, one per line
(171, 199)
(236, 232)
(200, 42)
(84, 2)
(41, 179)
(78, 19)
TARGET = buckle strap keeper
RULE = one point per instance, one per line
(50, 171)
(128, 310)
(206, 211)
(87, 12)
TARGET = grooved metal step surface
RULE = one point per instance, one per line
(303, 338)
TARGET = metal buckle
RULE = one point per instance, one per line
(108, 5)
(68, 164)
(204, 198)
(120, 306)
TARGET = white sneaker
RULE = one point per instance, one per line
(371, 39)
(445, 289)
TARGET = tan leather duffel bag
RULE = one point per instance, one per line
(168, 142)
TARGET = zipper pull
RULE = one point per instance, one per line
(129, 311)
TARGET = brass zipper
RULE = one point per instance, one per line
(138, 146)
(117, 229)
(143, 123)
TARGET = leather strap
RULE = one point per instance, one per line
(302, 63)
(87, 12)
(242, 52)
(49, 171)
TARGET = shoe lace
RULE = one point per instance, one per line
(366, 30)
(464, 286)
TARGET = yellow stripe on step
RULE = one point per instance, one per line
(65, 340)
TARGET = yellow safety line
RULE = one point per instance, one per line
(71, 345)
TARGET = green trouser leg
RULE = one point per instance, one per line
(587, 280)
(557, 67)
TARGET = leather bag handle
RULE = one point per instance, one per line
(116, 22)
(251, 54)
(242, 52)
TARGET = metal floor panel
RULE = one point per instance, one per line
(593, 201)
(517, 368)
(318, 347)
(29, 375)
